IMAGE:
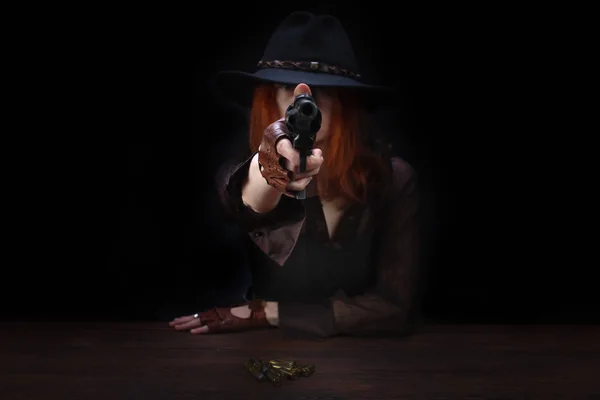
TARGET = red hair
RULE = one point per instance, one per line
(348, 164)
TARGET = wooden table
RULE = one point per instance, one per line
(150, 361)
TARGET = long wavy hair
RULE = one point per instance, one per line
(350, 167)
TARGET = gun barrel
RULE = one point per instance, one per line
(308, 109)
(303, 119)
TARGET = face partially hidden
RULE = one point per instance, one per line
(323, 98)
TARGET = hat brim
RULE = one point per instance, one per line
(238, 86)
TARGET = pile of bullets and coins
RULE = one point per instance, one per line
(278, 371)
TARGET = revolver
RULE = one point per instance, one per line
(303, 120)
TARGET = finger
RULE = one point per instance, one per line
(314, 161)
(301, 175)
(188, 325)
(287, 151)
(180, 320)
(302, 88)
(318, 153)
(202, 329)
(299, 184)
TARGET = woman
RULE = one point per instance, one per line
(342, 261)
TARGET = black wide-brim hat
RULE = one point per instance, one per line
(304, 49)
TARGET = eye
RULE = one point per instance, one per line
(284, 86)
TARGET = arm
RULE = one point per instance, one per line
(256, 192)
(385, 307)
(252, 192)
(275, 232)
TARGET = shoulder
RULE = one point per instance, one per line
(398, 180)
(403, 176)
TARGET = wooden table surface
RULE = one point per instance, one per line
(150, 361)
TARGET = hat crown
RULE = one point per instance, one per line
(304, 37)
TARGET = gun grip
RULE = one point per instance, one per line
(302, 166)
(301, 195)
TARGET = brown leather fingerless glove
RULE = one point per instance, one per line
(219, 320)
(270, 163)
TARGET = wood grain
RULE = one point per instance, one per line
(150, 361)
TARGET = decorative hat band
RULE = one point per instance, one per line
(313, 66)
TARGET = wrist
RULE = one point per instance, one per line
(256, 192)
(256, 177)
(272, 312)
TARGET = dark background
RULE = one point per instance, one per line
(124, 216)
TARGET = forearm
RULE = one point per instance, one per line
(368, 313)
(256, 192)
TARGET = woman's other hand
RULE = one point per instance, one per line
(256, 314)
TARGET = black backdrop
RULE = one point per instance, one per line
(125, 223)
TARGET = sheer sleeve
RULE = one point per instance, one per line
(275, 232)
(386, 306)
